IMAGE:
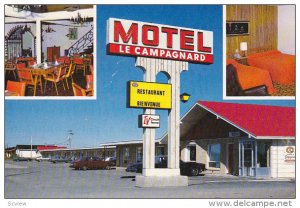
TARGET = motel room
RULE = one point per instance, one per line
(260, 50)
(49, 50)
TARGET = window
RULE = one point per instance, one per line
(263, 154)
(214, 152)
(139, 154)
(192, 150)
(160, 151)
(125, 155)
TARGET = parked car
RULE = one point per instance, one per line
(186, 168)
(40, 159)
(92, 163)
(160, 162)
(135, 167)
(18, 159)
(60, 160)
(112, 160)
(191, 168)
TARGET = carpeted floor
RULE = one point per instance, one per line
(284, 89)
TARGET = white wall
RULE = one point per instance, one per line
(280, 168)
(286, 29)
(27, 153)
(59, 37)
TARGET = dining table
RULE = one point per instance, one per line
(42, 69)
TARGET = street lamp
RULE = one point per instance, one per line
(184, 97)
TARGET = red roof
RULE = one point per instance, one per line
(258, 120)
(49, 147)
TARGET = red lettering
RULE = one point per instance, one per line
(147, 120)
(170, 32)
(132, 33)
(186, 40)
(200, 44)
(145, 35)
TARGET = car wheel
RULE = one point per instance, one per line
(84, 168)
(194, 171)
(107, 167)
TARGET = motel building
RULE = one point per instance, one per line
(236, 139)
(240, 139)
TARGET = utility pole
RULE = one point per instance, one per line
(31, 147)
(70, 138)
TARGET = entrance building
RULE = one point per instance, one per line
(240, 139)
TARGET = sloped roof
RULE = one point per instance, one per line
(259, 120)
(50, 147)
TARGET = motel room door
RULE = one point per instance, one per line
(247, 158)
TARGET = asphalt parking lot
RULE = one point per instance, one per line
(25, 180)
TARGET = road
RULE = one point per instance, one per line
(25, 180)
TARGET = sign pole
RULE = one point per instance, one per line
(163, 176)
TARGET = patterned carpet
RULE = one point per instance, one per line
(284, 89)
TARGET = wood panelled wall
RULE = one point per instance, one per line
(262, 27)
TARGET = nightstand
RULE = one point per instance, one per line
(242, 60)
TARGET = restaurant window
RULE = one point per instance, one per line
(126, 155)
(214, 152)
(263, 154)
(139, 154)
(192, 150)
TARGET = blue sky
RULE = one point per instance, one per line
(107, 118)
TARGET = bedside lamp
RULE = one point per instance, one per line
(243, 48)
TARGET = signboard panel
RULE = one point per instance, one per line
(149, 95)
(149, 121)
(134, 38)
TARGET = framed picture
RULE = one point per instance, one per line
(73, 35)
(237, 28)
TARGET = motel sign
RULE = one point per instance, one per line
(134, 38)
(158, 48)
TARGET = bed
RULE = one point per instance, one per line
(281, 66)
(249, 76)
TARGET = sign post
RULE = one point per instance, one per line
(159, 48)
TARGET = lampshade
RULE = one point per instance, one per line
(243, 46)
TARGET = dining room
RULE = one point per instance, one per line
(49, 50)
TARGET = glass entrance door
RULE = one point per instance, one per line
(247, 165)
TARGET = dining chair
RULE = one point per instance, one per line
(9, 66)
(25, 75)
(77, 90)
(92, 69)
(17, 87)
(70, 73)
(61, 60)
(89, 85)
(79, 64)
(55, 78)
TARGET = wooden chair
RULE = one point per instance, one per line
(16, 87)
(89, 85)
(79, 64)
(10, 67)
(77, 90)
(92, 69)
(25, 75)
(70, 73)
(89, 91)
(56, 78)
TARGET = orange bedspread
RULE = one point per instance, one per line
(281, 66)
(250, 76)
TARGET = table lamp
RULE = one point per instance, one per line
(243, 48)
